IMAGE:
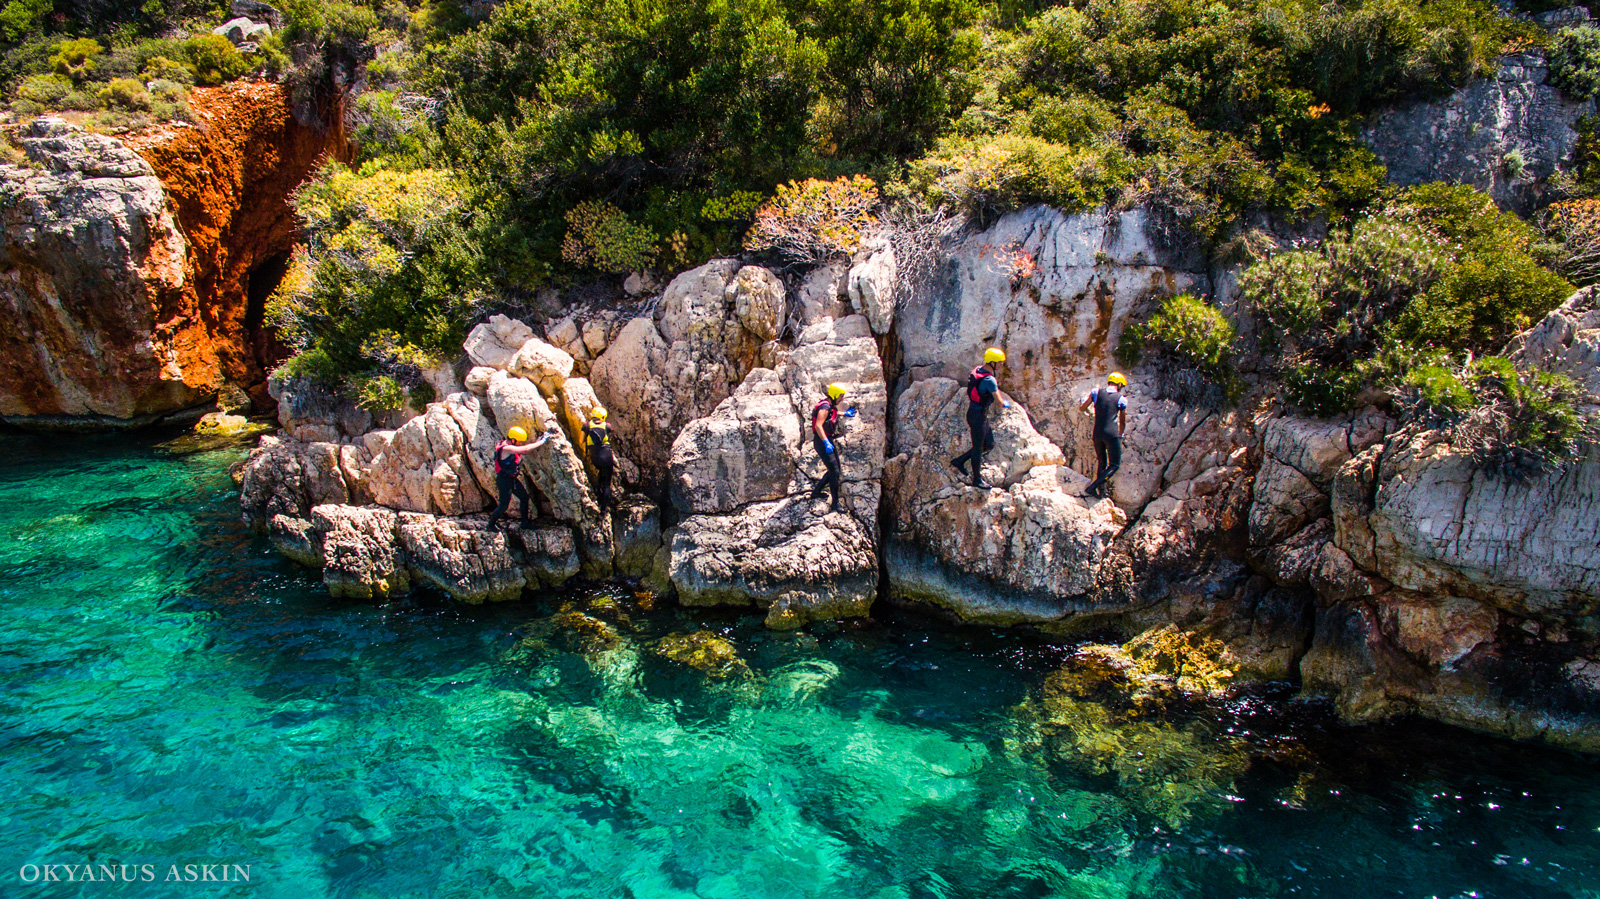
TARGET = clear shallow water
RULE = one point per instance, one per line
(171, 692)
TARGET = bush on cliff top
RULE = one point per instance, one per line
(387, 275)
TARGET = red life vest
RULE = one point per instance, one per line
(832, 421)
(506, 463)
(977, 376)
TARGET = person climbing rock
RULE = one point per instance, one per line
(597, 435)
(982, 389)
(508, 472)
(824, 426)
(1110, 419)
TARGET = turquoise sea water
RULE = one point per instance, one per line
(173, 693)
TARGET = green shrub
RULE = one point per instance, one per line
(989, 176)
(378, 393)
(1191, 330)
(1321, 390)
(1526, 423)
(76, 58)
(48, 91)
(160, 68)
(313, 364)
(387, 266)
(601, 236)
(214, 60)
(82, 101)
(1575, 61)
(126, 94)
(18, 17)
(1289, 291)
(1440, 394)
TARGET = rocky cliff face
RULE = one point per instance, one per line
(134, 270)
(1375, 566)
(1504, 135)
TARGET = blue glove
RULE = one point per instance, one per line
(1005, 404)
(851, 413)
(827, 446)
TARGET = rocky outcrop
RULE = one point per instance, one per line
(1566, 341)
(798, 565)
(372, 552)
(1056, 293)
(1505, 134)
(134, 271)
(664, 370)
(1027, 551)
(740, 477)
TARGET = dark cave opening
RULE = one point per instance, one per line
(260, 282)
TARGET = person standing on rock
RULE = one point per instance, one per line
(824, 425)
(982, 388)
(508, 472)
(1110, 419)
(597, 435)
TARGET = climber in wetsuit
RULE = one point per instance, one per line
(982, 388)
(598, 437)
(508, 472)
(1110, 418)
(824, 425)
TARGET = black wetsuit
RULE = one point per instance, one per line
(982, 388)
(1108, 404)
(830, 425)
(605, 464)
(508, 483)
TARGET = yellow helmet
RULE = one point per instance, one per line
(1117, 379)
(517, 434)
(994, 354)
(599, 414)
(835, 391)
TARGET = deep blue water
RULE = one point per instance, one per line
(173, 693)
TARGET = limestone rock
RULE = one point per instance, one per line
(549, 555)
(1565, 341)
(1029, 553)
(662, 372)
(257, 11)
(542, 364)
(496, 342)
(781, 556)
(1425, 519)
(758, 301)
(843, 352)
(932, 415)
(296, 539)
(1094, 274)
(1292, 562)
(477, 380)
(636, 524)
(871, 288)
(1285, 502)
(424, 467)
(310, 411)
(361, 553)
(91, 248)
(823, 294)
(236, 30)
(742, 453)
(288, 477)
(461, 557)
(1504, 134)
(1337, 579)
